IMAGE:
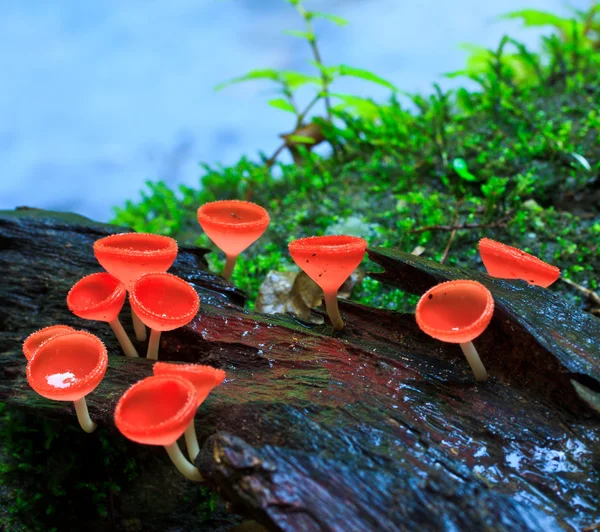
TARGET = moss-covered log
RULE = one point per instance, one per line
(376, 428)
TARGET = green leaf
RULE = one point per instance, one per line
(345, 70)
(331, 18)
(297, 79)
(284, 105)
(301, 139)
(533, 18)
(363, 106)
(266, 73)
(582, 161)
(308, 35)
(460, 167)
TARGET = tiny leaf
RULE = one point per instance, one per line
(460, 167)
(301, 139)
(284, 105)
(266, 73)
(345, 70)
(582, 161)
(331, 18)
(308, 35)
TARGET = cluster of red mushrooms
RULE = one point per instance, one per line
(66, 364)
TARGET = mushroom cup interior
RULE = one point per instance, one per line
(163, 301)
(99, 296)
(156, 410)
(127, 256)
(456, 311)
(37, 338)
(328, 260)
(68, 367)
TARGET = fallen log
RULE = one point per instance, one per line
(378, 427)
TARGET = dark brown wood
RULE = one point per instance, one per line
(378, 427)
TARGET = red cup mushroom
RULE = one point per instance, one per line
(457, 312)
(156, 411)
(67, 368)
(100, 297)
(126, 256)
(204, 378)
(329, 261)
(232, 225)
(37, 338)
(508, 262)
(163, 302)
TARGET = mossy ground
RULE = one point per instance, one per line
(532, 149)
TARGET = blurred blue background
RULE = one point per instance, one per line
(98, 97)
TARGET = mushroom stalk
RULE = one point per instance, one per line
(191, 441)
(331, 303)
(124, 340)
(153, 345)
(83, 416)
(474, 361)
(229, 266)
(182, 464)
(138, 327)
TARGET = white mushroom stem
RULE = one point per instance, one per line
(153, 345)
(182, 464)
(83, 416)
(138, 327)
(124, 340)
(191, 441)
(474, 361)
(331, 304)
(229, 265)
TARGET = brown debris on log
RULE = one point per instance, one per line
(378, 427)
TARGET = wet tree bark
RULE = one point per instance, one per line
(378, 427)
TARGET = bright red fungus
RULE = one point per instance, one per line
(100, 296)
(156, 411)
(508, 262)
(457, 312)
(34, 340)
(204, 379)
(329, 261)
(126, 256)
(67, 368)
(232, 225)
(163, 302)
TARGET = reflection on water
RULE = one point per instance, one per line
(98, 97)
(61, 380)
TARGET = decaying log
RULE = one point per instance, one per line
(378, 427)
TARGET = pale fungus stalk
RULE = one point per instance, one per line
(191, 441)
(474, 361)
(331, 304)
(182, 464)
(229, 266)
(124, 341)
(83, 416)
(153, 345)
(138, 327)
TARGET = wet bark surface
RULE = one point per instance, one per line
(378, 427)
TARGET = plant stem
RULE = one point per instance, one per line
(124, 340)
(229, 265)
(331, 303)
(317, 55)
(83, 416)
(474, 361)
(182, 464)
(138, 327)
(191, 441)
(153, 345)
